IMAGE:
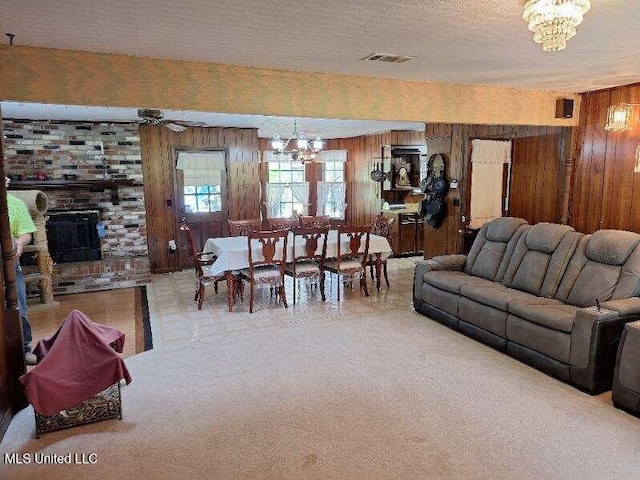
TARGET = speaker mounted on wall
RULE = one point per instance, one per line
(564, 108)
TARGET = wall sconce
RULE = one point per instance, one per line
(619, 118)
(636, 168)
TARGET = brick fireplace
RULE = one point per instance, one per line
(82, 156)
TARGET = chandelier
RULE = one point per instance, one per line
(553, 22)
(298, 147)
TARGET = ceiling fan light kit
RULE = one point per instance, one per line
(156, 117)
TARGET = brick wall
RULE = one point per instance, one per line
(92, 151)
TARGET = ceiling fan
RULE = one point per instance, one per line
(156, 117)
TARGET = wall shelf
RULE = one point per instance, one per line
(112, 185)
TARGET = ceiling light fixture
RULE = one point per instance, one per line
(301, 148)
(553, 22)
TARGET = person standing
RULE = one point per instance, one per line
(22, 227)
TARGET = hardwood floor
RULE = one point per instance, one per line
(117, 308)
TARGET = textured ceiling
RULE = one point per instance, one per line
(480, 42)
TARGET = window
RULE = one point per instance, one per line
(333, 188)
(202, 180)
(204, 198)
(333, 171)
(285, 189)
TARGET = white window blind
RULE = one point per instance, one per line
(201, 168)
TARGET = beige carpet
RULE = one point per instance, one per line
(367, 389)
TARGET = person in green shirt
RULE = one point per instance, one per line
(22, 227)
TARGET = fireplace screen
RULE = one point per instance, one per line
(73, 236)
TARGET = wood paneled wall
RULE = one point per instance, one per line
(243, 189)
(538, 173)
(605, 190)
(364, 200)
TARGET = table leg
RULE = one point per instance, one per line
(230, 287)
(378, 269)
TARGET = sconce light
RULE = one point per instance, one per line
(619, 118)
(636, 168)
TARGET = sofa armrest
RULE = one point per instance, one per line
(447, 262)
(594, 341)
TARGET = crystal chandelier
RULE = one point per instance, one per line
(301, 148)
(553, 22)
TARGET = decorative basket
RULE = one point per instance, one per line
(103, 406)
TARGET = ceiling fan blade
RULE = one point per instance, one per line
(175, 127)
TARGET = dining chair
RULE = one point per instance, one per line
(309, 254)
(283, 223)
(382, 226)
(238, 228)
(267, 267)
(200, 261)
(315, 221)
(350, 262)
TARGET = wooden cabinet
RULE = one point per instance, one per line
(408, 233)
(411, 233)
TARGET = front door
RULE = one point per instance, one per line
(202, 199)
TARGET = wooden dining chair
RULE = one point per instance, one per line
(309, 254)
(266, 268)
(315, 221)
(382, 226)
(200, 262)
(283, 223)
(240, 228)
(350, 262)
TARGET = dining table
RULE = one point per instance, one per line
(232, 253)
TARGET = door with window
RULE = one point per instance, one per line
(202, 196)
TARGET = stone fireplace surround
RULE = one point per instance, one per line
(91, 151)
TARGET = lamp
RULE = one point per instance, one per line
(302, 149)
(618, 118)
(553, 22)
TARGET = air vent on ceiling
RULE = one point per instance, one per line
(387, 58)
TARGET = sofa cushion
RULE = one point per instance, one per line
(502, 229)
(493, 246)
(611, 247)
(596, 281)
(488, 318)
(451, 281)
(545, 237)
(495, 295)
(445, 301)
(547, 312)
(551, 343)
(540, 259)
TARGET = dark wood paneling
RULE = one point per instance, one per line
(243, 185)
(538, 165)
(605, 190)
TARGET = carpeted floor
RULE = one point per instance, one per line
(367, 389)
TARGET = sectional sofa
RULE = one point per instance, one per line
(545, 294)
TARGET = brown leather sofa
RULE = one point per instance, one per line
(545, 294)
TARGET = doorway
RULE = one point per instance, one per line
(201, 202)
